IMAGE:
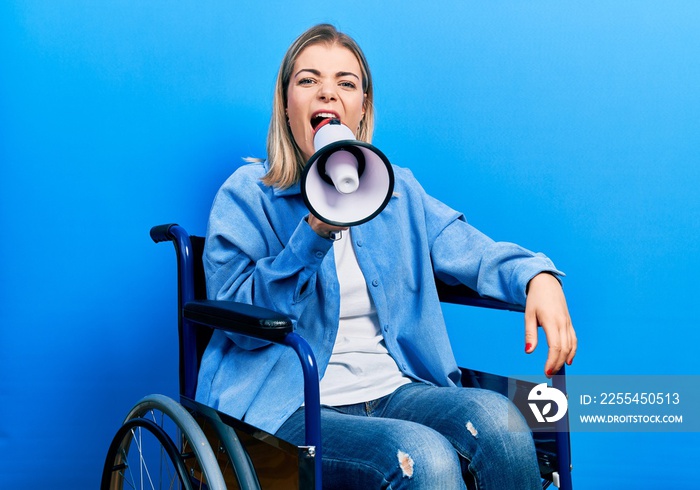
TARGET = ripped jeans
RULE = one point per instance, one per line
(424, 437)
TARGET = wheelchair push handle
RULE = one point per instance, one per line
(162, 233)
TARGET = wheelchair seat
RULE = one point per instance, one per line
(185, 444)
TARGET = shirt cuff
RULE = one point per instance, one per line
(307, 245)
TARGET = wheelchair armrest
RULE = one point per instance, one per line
(264, 324)
(463, 295)
(249, 320)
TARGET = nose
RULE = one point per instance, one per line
(327, 92)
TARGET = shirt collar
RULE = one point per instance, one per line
(289, 191)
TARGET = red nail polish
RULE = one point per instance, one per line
(549, 372)
(528, 346)
(570, 362)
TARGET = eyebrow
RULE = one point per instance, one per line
(340, 74)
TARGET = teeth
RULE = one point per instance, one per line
(318, 118)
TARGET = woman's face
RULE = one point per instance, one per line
(326, 82)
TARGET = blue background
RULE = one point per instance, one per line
(568, 127)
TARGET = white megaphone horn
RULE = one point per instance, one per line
(346, 182)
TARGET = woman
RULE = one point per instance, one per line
(393, 413)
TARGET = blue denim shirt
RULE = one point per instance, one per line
(260, 250)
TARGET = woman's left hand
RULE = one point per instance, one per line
(546, 307)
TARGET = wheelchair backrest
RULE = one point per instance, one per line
(202, 335)
(191, 285)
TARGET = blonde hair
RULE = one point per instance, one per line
(284, 156)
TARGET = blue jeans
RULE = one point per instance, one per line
(424, 437)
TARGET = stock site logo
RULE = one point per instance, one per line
(543, 396)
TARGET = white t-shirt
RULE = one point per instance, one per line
(360, 368)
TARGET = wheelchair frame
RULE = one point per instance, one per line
(209, 449)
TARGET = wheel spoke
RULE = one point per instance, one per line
(143, 465)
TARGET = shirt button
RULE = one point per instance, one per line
(359, 243)
(375, 283)
(386, 328)
(319, 254)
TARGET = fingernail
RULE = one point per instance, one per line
(528, 346)
(570, 361)
(548, 372)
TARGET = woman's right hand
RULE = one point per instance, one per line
(323, 229)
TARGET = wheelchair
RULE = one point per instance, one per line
(184, 444)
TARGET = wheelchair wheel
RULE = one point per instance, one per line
(160, 446)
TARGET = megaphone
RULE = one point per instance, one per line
(346, 182)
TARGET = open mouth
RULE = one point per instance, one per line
(319, 117)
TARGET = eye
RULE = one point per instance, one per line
(305, 81)
(348, 84)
